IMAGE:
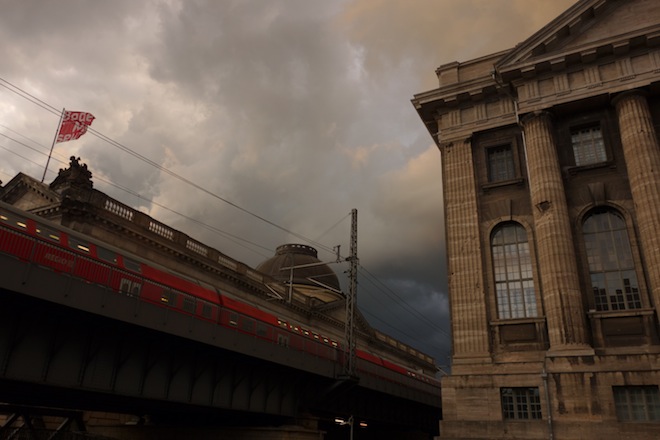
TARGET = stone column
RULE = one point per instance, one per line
(560, 286)
(470, 330)
(642, 155)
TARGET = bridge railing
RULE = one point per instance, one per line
(403, 347)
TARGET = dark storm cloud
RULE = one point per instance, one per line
(295, 110)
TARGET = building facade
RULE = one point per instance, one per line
(551, 180)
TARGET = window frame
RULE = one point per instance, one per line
(188, 304)
(510, 166)
(626, 400)
(573, 129)
(48, 233)
(485, 142)
(640, 293)
(169, 297)
(521, 403)
(523, 268)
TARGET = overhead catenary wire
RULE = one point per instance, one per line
(55, 111)
(17, 90)
(231, 237)
(398, 299)
(387, 324)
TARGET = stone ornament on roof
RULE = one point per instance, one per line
(77, 175)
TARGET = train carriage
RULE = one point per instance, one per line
(37, 241)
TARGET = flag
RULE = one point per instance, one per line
(74, 125)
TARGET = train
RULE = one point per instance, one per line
(35, 240)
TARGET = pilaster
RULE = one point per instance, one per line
(560, 285)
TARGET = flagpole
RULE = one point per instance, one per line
(57, 133)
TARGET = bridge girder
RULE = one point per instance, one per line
(83, 347)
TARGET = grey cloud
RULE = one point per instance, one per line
(295, 110)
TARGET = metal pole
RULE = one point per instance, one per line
(52, 146)
(351, 301)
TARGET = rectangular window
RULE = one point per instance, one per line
(78, 245)
(588, 146)
(520, 403)
(207, 310)
(132, 265)
(48, 233)
(188, 304)
(13, 221)
(247, 325)
(129, 287)
(501, 166)
(106, 255)
(168, 297)
(637, 403)
(262, 330)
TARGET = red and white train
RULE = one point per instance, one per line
(35, 240)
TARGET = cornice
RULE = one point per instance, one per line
(454, 94)
(575, 20)
(616, 46)
(592, 50)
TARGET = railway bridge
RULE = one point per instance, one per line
(72, 344)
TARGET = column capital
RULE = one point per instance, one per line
(628, 94)
(538, 114)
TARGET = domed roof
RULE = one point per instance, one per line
(300, 263)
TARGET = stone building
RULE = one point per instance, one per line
(551, 180)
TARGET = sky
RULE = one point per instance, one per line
(293, 111)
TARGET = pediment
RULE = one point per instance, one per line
(28, 194)
(587, 30)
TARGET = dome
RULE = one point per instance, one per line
(310, 276)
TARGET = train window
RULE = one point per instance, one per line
(131, 265)
(247, 325)
(262, 330)
(78, 245)
(283, 340)
(14, 221)
(48, 233)
(106, 255)
(188, 304)
(233, 319)
(207, 311)
(168, 297)
(130, 287)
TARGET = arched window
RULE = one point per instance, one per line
(512, 265)
(611, 266)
